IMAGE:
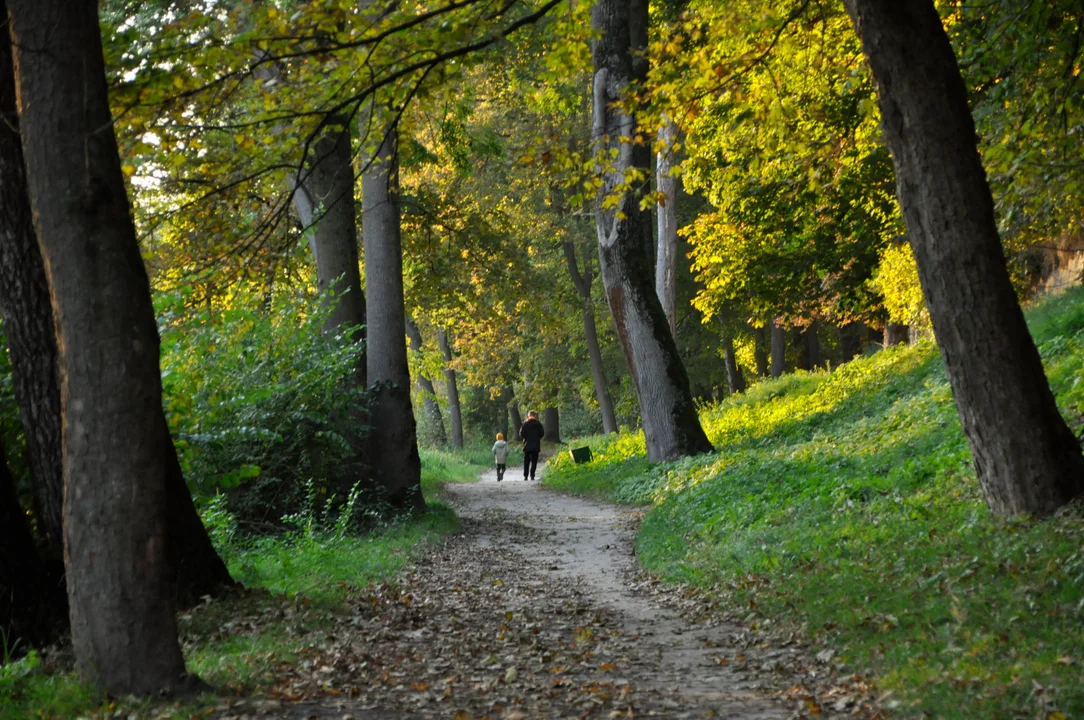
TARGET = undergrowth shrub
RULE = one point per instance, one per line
(260, 402)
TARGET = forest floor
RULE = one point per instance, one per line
(536, 609)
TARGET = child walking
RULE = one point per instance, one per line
(500, 454)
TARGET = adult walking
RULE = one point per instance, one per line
(531, 433)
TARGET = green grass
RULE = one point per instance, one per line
(298, 585)
(846, 501)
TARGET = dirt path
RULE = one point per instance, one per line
(533, 610)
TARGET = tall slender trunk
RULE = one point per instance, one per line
(760, 350)
(325, 204)
(734, 378)
(779, 348)
(513, 409)
(395, 463)
(671, 426)
(551, 419)
(1025, 455)
(666, 211)
(123, 629)
(811, 346)
(452, 386)
(582, 282)
(425, 386)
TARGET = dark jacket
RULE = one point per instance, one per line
(532, 433)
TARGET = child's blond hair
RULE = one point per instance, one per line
(500, 436)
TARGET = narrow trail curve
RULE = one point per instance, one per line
(532, 610)
(590, 543)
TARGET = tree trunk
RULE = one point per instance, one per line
(760, 350)
(393, 432)
(779, 348)
(896, 334)
(513, 410)
(551, 419)
(812, 347)
(453, 389)
(32, 607)
(28, 316)
(425, 386)
(324, 200)
(671, 426)
(1025, 455)
(196, 567)
(582, 283)
(666, 250)
(734, 378)
(123, 629)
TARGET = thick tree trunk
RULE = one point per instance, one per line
(1025, 455)
(671, 426)
(28, 316)
(811, 347)
(551, 419)
(779, 348)
(734, 378)
(513, 410)
(395, 460)
(32, 606)
(28, 319)
(452, 387)
(760, 350)
(896, 334)
(123, 629)
(425, 386)
(582, 283)
(667, 243)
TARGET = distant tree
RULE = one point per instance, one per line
(1025, 455)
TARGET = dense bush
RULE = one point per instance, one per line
(260, 403)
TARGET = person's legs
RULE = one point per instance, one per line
(500, 471)
(534, 462)
(526, 463)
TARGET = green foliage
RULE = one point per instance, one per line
(896, 279)
(258, 400)
(846, 501)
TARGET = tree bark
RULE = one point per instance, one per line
(671, 426)
(513, 410)
(666, 210)
(1025, 455)
(760, 350)
(452, 387)
(393, 432)
(324, 201)
(811, 346)
(28, 316)
(425, 386)
(779, 348)
(734, 378)
(582, 283)
(123, 629)
(551, 419)
(896, 334)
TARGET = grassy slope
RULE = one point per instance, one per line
(846, 501)
(236, 643)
